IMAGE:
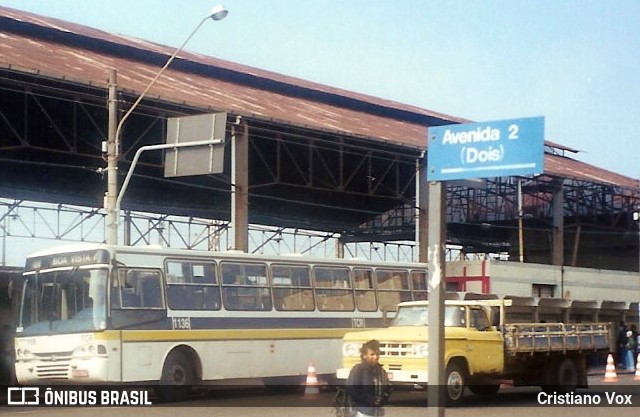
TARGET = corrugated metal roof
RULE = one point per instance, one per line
(84, 31)
(565, 167)
(64, 50)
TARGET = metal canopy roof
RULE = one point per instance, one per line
(54, 48)
(362, 150)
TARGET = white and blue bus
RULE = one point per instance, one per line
(172, 318)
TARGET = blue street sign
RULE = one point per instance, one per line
(487, 149)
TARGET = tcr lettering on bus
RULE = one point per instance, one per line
(181, 323)
(357, 323)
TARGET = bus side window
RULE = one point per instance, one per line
(365, 294)
(245, 286)
(129, 298)
(292, 288)
(333, 289)
(179, 297)
(419, 285)
(211, 298)
(151, 292)
(115, 297)
(192, 285)
(138, 289)
(393, 288)
(123, 293)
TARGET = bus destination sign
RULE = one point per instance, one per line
(70, 259)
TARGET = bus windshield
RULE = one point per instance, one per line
(64, 301)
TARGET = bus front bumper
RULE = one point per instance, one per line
(73, 371)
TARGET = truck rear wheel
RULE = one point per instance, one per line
(561, 376)
(455, 380)
(568, 377)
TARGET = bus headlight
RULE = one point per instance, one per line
(350, 349)
(421, 349)
(24, 354)
(89, 350)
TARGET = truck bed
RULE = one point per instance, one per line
(528, 338)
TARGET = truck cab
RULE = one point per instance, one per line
(470, 339)
(481, 350)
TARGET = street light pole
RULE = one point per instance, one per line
(112, 162)
(160, 146)
(113, 143)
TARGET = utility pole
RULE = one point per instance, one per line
(111, 204)
(112, 163)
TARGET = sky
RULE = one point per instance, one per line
(576, 63)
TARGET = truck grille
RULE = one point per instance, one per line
(396, 349)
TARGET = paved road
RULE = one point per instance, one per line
(520, 401)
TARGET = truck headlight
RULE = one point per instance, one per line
(350, 349)
(421, 349)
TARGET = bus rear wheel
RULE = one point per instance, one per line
(177, 378)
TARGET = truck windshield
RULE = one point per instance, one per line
(64, 301)
(411, 316)
(454, 316)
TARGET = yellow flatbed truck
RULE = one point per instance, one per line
(481, 351)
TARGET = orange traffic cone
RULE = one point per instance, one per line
(610, 374)
(311, 386)
(636, 377)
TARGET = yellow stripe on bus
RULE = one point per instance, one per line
(221, 334)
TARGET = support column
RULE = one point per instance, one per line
(520, 223)
(339, 248)
(422, 212)
(240, 184)
(557, 256)
(576, 246)
(127, 228)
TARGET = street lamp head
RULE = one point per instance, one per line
(219, 12)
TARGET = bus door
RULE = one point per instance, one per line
(138, 305)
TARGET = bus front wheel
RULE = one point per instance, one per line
(177, 378)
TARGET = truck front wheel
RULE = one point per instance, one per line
(455, 381)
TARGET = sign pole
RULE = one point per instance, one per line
(467, 151)
(436, 243)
